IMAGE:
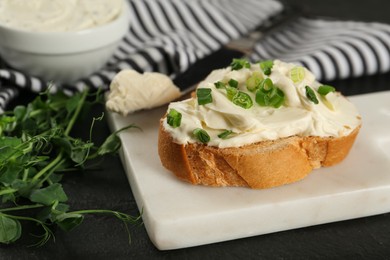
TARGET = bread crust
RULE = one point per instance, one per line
(260, 165)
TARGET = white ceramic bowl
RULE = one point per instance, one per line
(63, 56)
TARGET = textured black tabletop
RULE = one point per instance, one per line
(105, 237)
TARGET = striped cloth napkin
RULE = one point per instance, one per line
(330, 49)
(169, 36)
(166, 36)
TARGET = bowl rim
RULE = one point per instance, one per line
(76, 41)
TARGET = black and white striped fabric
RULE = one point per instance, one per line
(330, 49)
(166, 36)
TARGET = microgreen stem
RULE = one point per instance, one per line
(7, 191)
(76, 113)
(52, 170)
(22, 207)
(120, 215)
(48, 167)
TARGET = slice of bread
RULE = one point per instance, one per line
(264, 164)
(280, 124)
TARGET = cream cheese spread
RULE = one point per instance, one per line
(131, 91)
(333, 116)
(58, 15)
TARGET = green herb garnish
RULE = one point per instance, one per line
(219, 84)
(38, 148)
(242, 99)
(231, 92)
(201, 135)
(253, 82)
(266, 66)
(238, 64)
(204, 96)
(269, 95)
(325, 89)
(297, 74)
(311, 95)
(225, 134)
(174, 118)
(233, 83)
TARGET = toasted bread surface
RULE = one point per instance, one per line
(260, 165)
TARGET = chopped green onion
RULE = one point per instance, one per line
(297, 74)
(233, 83)
(201, 135)
(231, 92)
(253, 82)
(325, 89)
(243, 100)
(311, 95)
(262, 98)
(174, 118)
(238, 64)
(277, 99)
(225, 134)
(269, 95)
(219, 84)
(267, 85)
(266, 66)
(204, 96)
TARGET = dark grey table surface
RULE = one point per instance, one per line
(105, 238)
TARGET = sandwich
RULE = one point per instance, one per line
(257, 125)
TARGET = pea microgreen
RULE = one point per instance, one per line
(37, 148)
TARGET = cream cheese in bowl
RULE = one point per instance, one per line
(58, 15)
(61, 41)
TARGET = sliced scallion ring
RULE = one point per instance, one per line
(233, 83)
(174, 118)
(325, 89)
(238, 64)
(253, 82)
(266, 66)
(269, 95)
(219, 84)
(277, 99)
(225, 134)
(266, 85)
(231, 92)
(201, 135)
(311, 95)
(297, 74)
(243, 100)
(204, 96)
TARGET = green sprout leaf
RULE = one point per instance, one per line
(37, 148)
(10, 229)
(69, 221)
(47, 196)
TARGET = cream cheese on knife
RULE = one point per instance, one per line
(131, 91)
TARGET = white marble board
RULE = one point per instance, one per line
(177, 214)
